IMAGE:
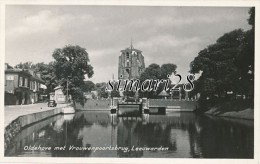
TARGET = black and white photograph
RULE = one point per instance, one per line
(129, 81)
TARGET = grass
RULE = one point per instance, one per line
(234, 105)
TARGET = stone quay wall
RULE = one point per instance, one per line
(182, 105)
(16, 125)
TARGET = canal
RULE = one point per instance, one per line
(101, 134)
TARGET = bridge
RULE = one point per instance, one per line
(151, 106)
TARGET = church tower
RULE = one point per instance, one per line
(131, 63)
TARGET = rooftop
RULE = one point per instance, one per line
(128, 49)
(131, 48)
(27, 72)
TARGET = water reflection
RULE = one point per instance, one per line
(183, 134)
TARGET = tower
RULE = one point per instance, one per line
(131, 63)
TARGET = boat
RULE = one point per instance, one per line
(68, 110)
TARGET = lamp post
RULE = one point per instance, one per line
(67, 90)
(67, 93)
(180, 93)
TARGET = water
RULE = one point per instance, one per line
(181, 135)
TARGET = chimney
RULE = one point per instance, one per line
(31, 71)
(7, 66)
(38, 75)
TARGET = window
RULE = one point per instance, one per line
(33, 85)
(127, 55)
(25, 82)
(20, 81)
(127, 63)
(10, 77)
(36, 86)
(128, 71)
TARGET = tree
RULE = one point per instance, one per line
(246, 57)
(251, 19)
(47, 75)
(115, 93)
(167, 69)
(25, 65)
(101, 90)
(217, 63)
(155, 72)
(89, 86)
(227, 65)
(45, 70)
(70, 67)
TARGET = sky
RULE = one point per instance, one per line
(164, 34)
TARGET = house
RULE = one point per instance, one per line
(88, 95)
(52, 95)
(163, 94)
(37, 87)
(59, 96)
(94, 94)
(91, 95)
(22, 86)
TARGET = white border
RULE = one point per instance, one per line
(2, 52)
(228, 3)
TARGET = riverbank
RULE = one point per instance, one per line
(18, 117)
(12, 112)
(241, 109)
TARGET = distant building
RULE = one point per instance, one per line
(131, 63)
(59, 96)
(94, 94)
(36, 86)
(22, 86)
(91, 95)
(88, 95)
(52, 95)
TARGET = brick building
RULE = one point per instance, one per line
(22, 86)
(131, 63)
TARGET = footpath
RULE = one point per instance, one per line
(12, 112)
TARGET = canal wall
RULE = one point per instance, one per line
(171, 104)
(94, 105)
(29, 134)
(174, 105)
(16, 125)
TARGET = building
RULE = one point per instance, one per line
(22, 86)
(88, 95)
(37, 87)
(91, 95)
(59, 96)
(131, 63)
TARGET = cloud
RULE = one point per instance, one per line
(180, 21)
(45, 22)
(164, 34)
(169, 41)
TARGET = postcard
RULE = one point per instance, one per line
(133, 82)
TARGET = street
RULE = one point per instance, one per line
(14, 111)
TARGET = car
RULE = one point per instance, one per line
(52, 103)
